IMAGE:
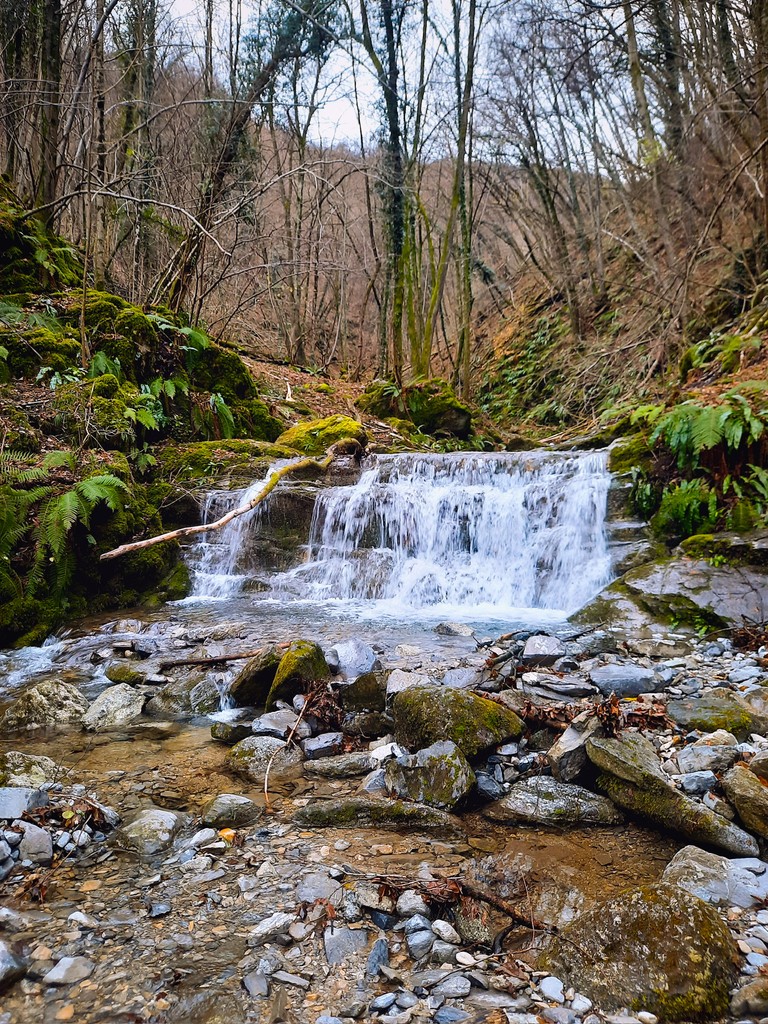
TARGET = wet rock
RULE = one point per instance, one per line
(125, 672)
(151, 831)
(375, 782)
(545, 801)
(425, 715)
(352, 658)
(541, 650)
(69, 970)
(567, 756)
(28, 770)
(303, 663)
(252, 684)
(625, 680)
(231, 732)
(398, 681)
(344, 766)
(36, 844)
(12, 967)
(751, 1000)
(16, 801)
(251, 756)
(749, 795)
(182, 698)
(268, 929)
(368, 692)
(438, 775)
(670, 953)
(325, 745)
(718, 709)
(451, 1015)
(704, 757)
(256, 984)
(228, 810)
(342, 943)
(631, 776)
(48, 703)
(281, 724)
(367, 812)
(115, 707)
(742, 882)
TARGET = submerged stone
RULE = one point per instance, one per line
(369, 812)
(545, 801)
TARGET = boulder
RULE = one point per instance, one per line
(302, 664)
(630, 774)
(424, 715)
(352, 658)
(705, 757)
(195, 695)
(343, 766)
(125, 672)
(281, 724)
(50, 702)
(17, 800)
(252, 756)
(541, 650)
(317, 436)
(150, 832)
(438, 775)
(625, 679)
(742, 882)
(231, 731)
(29, 770)
(228, 810)
(655, 948)
(719, 708)
(12, 967)
(542, 800)
(368, 692)
(36, 843)
(251, 685)
(114, 708)
(370, 812)
(749, 795)
(399, 680)
(327, 744)
(567, 756)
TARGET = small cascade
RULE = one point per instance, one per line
(479, 532)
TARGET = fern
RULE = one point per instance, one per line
(685, 509)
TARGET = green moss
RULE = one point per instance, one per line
(216, 369)
(384, 400)
(29, 350)
(302, 664)
(717, 709)
(253, 419)
(207, 460)
(359, 812)
(124, 674)
(34, 259)
(435, 409)
(316, 437)
(367, 692)
(630, 452)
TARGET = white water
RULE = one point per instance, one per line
(472, 533)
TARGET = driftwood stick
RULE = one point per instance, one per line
(505, 907)
(189, 531)
(218, 659)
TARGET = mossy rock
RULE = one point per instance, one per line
(184, 698)
(435, 409)
(367, 692)
(252, 756)
(369, 812)
(657, 948)
(715, 709)
(253, 419)
(48, 703)
(316, 437)
(423, 715)
(629, 452)
(34, 258)
(302, 664)
(27, 621)
(251, 685)
(20, 769)
(384, 400)
(217, 370)
(124, 673)
(30, 350)
(207, 460)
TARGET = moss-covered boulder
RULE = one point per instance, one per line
(253, 419)
(368, 692)
(438, 775)
(125, 672)
(217, 369)
(302, 664)
(630, 775)
(719, 708)
(252, 756)
(34, 259)
(435, 409)
(185, 698)
(252, 684)
(47, 703)
(20, 769)
(656, 948)
(240, 459)
(30, 350)
(749, 795)
(369, 812)
(316, 437)
(426, 714)
(628, 452)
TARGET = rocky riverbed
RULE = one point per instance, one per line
(535, 827)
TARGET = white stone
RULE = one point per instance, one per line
(552, 989)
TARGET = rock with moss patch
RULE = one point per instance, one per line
(251, 685)
(656, 948)
(438, 775)
(182, 698)
(749, 795)
(151, 831)
(719, 708)
(301, 665)
(426, 714)
(316, 438)
(543, 800)
(631, 776)
(30, 770)
(48, 703)
(252, 756)
(125, 673)
(366, 693)
(370, 812)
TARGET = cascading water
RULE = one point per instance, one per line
(482, 533)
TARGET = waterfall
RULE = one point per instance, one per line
(486, 532)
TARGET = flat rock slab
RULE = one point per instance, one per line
(718, 709)
(342, 943)
(69, 970)
(724, 882)
(16, 800)
(343, 766)
(545, 801)
(369, 812)
(625, 680)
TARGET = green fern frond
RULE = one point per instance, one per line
(104, 487)
(60, 460)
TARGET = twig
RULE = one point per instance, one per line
(288, 740)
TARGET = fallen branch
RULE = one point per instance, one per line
(189, 531)
(218, 659)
